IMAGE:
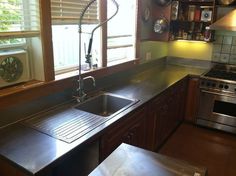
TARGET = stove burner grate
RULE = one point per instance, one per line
(221, 74)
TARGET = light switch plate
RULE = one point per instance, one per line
(197, 174)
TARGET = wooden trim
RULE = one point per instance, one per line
(103, 17)
(138, 29)
(46, 38)
(192, 100)
(8, 169)
(112, 69)
(120, 46)
(19, 34)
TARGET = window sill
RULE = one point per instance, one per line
(26, 92)
(5, 91)
(100, 72)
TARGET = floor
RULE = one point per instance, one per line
(200, 146)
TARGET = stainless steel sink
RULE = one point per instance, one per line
(106, 104)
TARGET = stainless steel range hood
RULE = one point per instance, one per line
(227, 22)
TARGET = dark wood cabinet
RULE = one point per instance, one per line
(166, 112)
(147, 127)
(9, 170)
(187, 20)
(190, 20)
(130, 130)
(192, 100)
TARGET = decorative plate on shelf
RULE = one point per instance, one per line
(160, 25)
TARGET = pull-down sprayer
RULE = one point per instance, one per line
(80, 90)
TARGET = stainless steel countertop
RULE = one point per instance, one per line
(33, 151)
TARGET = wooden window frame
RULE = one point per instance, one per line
(25, 92)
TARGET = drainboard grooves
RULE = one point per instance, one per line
(77, 125)
(66, 125)
(70, 123)
(83, 130)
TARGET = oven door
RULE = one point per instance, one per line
(217, 110)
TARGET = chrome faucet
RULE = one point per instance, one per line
(81, 94)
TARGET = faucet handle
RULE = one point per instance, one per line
(91, 77)
(81, 97)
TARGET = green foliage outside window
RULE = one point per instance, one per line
(10, 16)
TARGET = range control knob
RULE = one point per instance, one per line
(226, 86)
(213, 85)
(221, 86)
(208, 84)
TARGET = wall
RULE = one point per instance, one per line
(180, 49)
(224, 47)
(190, 50)
(153, 50)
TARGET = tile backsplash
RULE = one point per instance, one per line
(224, 49)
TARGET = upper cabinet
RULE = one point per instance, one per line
(161, 10)
(155, 16)
(165, 20)
(190, 20)
(178, 20)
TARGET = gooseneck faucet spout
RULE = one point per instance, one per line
(81, 94)
(80, 91)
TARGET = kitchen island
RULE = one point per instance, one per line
(134, 161)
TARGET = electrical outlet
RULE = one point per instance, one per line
(197, 174)
(148, 55)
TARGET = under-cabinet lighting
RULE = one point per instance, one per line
(191, 41)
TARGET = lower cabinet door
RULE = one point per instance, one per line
(130, 130)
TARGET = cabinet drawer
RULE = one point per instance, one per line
(130, 130)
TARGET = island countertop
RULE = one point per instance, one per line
(33, 151)
(134, 161)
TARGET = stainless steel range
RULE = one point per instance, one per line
(217, 105)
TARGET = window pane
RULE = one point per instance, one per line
(65, 18)
(7, 42)
(66, 46)
(19, 15)
(120, 55)
(121, 31)
(20, 41)
(68, 11)
(19, 19)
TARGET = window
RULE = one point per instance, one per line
(121, 32)
(19, 21)
(65, 20)
(20, 42)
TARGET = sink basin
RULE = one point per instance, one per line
(106, 104)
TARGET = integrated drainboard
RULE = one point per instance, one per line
(67, 125)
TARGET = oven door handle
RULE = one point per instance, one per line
(216, 93)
